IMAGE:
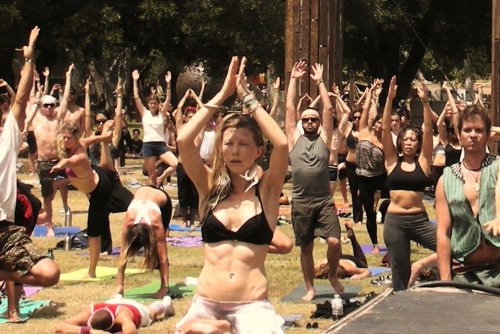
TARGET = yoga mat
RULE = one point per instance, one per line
(31, 290)
(26, 308)
(378, 270)
(102, 273)
(324, 292)
(368, 248)
(185, 241)
(41, 231)
(175, 227)
(146, 292)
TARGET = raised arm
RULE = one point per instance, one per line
(274, 177)
(46, 74)
(276, 98)
(137, 98)
(343, 108)
(24, 87)
(425, 158)
(363, 121)
(291, 131)
(191, 158)
(117, 131)
(390, 152)
(454, 108)
(375, 90)
(63, 106)
(202, 91)
(327, 118)
(178, 114)
(168, 99)
(88, 115)
(10, 91)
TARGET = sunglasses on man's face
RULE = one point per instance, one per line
(356, 117)
(49, 105)
(101, 121)
(310, 119)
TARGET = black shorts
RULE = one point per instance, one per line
(46, 177)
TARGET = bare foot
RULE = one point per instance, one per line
(50, 232)
(162, 292)
(337, 286)
(89, 275)
(375, 250)
(13, 316)
(309, 296)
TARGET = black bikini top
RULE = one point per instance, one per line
(255, 230)
(399, 179)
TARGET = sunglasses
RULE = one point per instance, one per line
(356, 117)
(101, 121)
(49, 105)
(310, 119)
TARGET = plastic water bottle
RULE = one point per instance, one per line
(50, 253)
(68, 218)
(337, 307)
(67, 242)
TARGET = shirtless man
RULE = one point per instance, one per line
(467, 199)
(74, 113)
(46, 124)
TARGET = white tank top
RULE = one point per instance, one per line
(207, 145)
(153, 127)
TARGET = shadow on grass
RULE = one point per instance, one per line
(53, 310)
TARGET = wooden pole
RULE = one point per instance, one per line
(314, 34)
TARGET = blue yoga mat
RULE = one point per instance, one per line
(175, 227)
(378, 270)
(368, 248)
(41, 231)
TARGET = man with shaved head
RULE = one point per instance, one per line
(312, 209)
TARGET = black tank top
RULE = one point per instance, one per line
(351, 142)
(255, 230)
(402, 180)
(452, 154)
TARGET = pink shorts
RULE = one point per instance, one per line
(242, 316)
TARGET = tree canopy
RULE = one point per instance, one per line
(110, 37)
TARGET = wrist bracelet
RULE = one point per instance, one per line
(119, 96)
(319, 83)
(28, 61)
(209, 105)
(425, 100)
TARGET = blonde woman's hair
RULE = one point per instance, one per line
(141, 236)
(71, 128)
(219, 185)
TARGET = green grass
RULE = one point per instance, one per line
(283, 271)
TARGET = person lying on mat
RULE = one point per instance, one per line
(116, 316)
(20, 261)
(350, 266)
(145, 226)
(238, 210)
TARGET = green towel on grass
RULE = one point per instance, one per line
(103, 273)
(146, 292)
(26, 308)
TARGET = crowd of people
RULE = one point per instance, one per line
(231, 168)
